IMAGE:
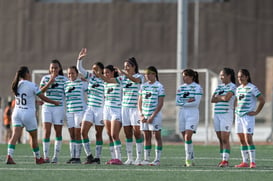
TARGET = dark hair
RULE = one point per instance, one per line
(60, 65)
(230, 72)
(246, 73)
(193, 74)
(74, 67)
(132, 61)
(100, 65)
(21, 73)
(153, 69)
(112, 69)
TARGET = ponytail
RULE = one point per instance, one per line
(21, 73)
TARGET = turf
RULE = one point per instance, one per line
(171, 168)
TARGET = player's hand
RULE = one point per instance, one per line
(82, 53)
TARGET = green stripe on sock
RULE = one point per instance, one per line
(148, 147)
(158, 147)
(117, 143)
(59, 138)
(85, 140)
(11, 146)
(188, 142)
(46, 140)
(111, 144)
(139, 140)
(251, 147)
(99, 142)
(226, 151)
(78, 141)
(72, 141)
(35, 149)
(130, 140)
(221, 151)
(244, 147)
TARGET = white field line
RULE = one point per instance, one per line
(137, 170)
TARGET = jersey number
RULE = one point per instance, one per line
(21, 99)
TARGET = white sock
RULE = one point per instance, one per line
(57, 148)
(139, 148)
(129, 150)
(46, 146)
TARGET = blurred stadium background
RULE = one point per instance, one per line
(221, 33)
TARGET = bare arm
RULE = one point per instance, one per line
(218, 98)
(260, 106)
(46, 99)
(51, 81)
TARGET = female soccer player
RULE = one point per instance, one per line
(247, 95)
(224, 97)
(53, 86)
(94, 111)
(131, 80)
(75, 89)
(150, 103)
(112, 111)
(24, 113)
(188, 97)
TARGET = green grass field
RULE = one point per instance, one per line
(171, 167)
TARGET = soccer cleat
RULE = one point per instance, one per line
(145, 162)
(96, 161)
(70, 160)
(116, 162)
(109, 162)
(76, 161)
(9, 160)
(89, 159)
(47, 160)
(223, 163)
(40, 161)
(137, 162)
(54, 160)
(189, 163)
(129, 162)
(155, 163)
(242, 165)
(252, 165)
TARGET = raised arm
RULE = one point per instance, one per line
(82, 54)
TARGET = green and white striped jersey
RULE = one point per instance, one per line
(246, 99)
(225, 106)
(113, 94)
(55, 90)
(150, 94)
(130, 90)
(74, 95)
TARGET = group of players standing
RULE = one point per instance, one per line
(119, 98)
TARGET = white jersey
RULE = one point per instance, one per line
(150, 94)
(74, 95)
(95, 93)
(130, 90)
(222, 107)
(246, 99)
(113, 94)
(26, 97)
(189, 91)
(55, 91)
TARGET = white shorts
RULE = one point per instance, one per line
(156, 125)
(130, 117)
(25, 118)
(188, 119)
(54, 115)
(94, 115)
(74, 120)
(223, 122)
(244, 124)
(112, 114)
